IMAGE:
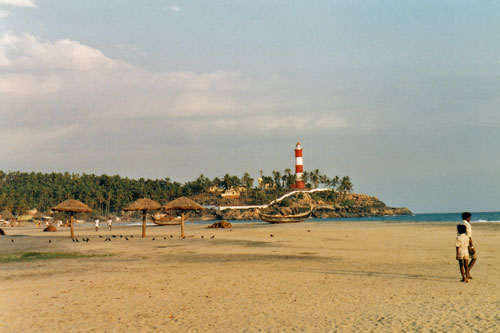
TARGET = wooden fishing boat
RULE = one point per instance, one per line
(286, 218)
(162, 219)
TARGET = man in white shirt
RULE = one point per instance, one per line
(466, 217)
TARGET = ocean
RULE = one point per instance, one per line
(424, 217)
(477, 217)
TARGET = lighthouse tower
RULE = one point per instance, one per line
(299, 167)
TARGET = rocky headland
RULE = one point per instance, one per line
(326, 204)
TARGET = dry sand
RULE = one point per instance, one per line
(311, 276)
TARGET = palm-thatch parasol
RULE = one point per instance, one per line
(183, 204)
(72, 206)
(143, 204)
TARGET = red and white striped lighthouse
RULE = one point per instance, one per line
(299, 167)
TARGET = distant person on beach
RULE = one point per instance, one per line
(96, 225)
(462, 251)
(466, 217)
(110, 223)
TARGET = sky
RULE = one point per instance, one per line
(401, 96)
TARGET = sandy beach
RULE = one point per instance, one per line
(310, 276)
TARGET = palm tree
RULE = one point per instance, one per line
(277, 179)
(247, 180)
(315, 177)
(346, 185)
(323, 179)
(334, 182)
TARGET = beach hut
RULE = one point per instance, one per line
(72, 206)
(182, 204)
(42, 217)
(7, 215)
(143, 204)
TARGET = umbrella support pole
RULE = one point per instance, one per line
(143, 223)
(182, 224)
(71, 224)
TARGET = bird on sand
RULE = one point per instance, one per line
(131, 236)
(202, 236)
(121, 236)
(153, 238)
(164, 237)
(114, 236)
(76, 240)
(126, 238)
(308, 230)
(271, 235)
(12, 240)
(100, 236)
(171, 236)
(213, 236)
(50, 241)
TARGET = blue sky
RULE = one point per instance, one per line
(402, 96)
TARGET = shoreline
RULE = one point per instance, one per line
(384, 219)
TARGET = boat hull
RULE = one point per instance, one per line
(285, 219)
(166, 220)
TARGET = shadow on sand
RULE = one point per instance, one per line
(378, 274)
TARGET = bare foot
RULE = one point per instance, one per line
(466, 281)
(463, 280)
(469, 277)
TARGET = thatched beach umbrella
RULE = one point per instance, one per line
(143, 204)
(72, 206)
(183, 204)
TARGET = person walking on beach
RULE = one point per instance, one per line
(462, 251)
(110, 223)
(96, 225)
(466, 217)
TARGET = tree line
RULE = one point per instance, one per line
(21, 191)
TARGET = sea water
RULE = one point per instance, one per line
(425, 217)
(491, 217)
(477, 217)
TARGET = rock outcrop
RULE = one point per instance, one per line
(221, 224)
(50, 228)
(358, 205)
(327, 204)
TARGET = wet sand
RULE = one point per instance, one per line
(311, 276)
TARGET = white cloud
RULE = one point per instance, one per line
(28, 53)
(175, 8)
(4, 13)
(44, 86)
(19, 3)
